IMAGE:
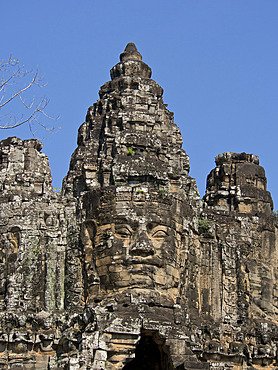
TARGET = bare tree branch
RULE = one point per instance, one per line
(17, 88)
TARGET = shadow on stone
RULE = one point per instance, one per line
(150, 354)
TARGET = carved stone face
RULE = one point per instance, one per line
(137, 243)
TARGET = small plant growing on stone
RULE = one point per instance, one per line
(140, 191)
(118, 182)
(203, 226)
(36, 251)
(130, 151)
(162, 192)
(275, 213)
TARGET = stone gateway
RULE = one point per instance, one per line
(127, 268)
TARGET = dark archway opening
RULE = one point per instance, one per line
(150, 354)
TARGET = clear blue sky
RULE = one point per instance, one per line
(217, 61)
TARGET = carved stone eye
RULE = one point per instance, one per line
(123, 232)
(159, 234)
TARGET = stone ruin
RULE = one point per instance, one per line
(127, 268)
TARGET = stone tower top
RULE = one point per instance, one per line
(130, 64)
(129, 137)
(238, 183)
(229, 157)
(130, 53)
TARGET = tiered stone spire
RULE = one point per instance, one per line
(129, 136)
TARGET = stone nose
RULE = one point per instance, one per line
(142, 246)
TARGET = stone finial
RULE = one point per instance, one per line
(130, 64)
(130, 53)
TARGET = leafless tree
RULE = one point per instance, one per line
(17, 94)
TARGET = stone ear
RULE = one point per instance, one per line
(91, 227)
(14, 237)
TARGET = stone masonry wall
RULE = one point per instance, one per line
(127, 268)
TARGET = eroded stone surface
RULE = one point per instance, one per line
(128, 268)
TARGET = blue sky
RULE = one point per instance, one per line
(217, 61)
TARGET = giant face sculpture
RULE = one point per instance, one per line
(133, 239)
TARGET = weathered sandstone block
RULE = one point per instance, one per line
(127, 268)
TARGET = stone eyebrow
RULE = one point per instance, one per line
(125, 220)
(154, 224)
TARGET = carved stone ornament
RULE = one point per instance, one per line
(127, 268)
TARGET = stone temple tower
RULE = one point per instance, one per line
(129, 136)
(135, 200)
(127, 268)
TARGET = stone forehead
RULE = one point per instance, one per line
(160, 209)
(139, 196)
